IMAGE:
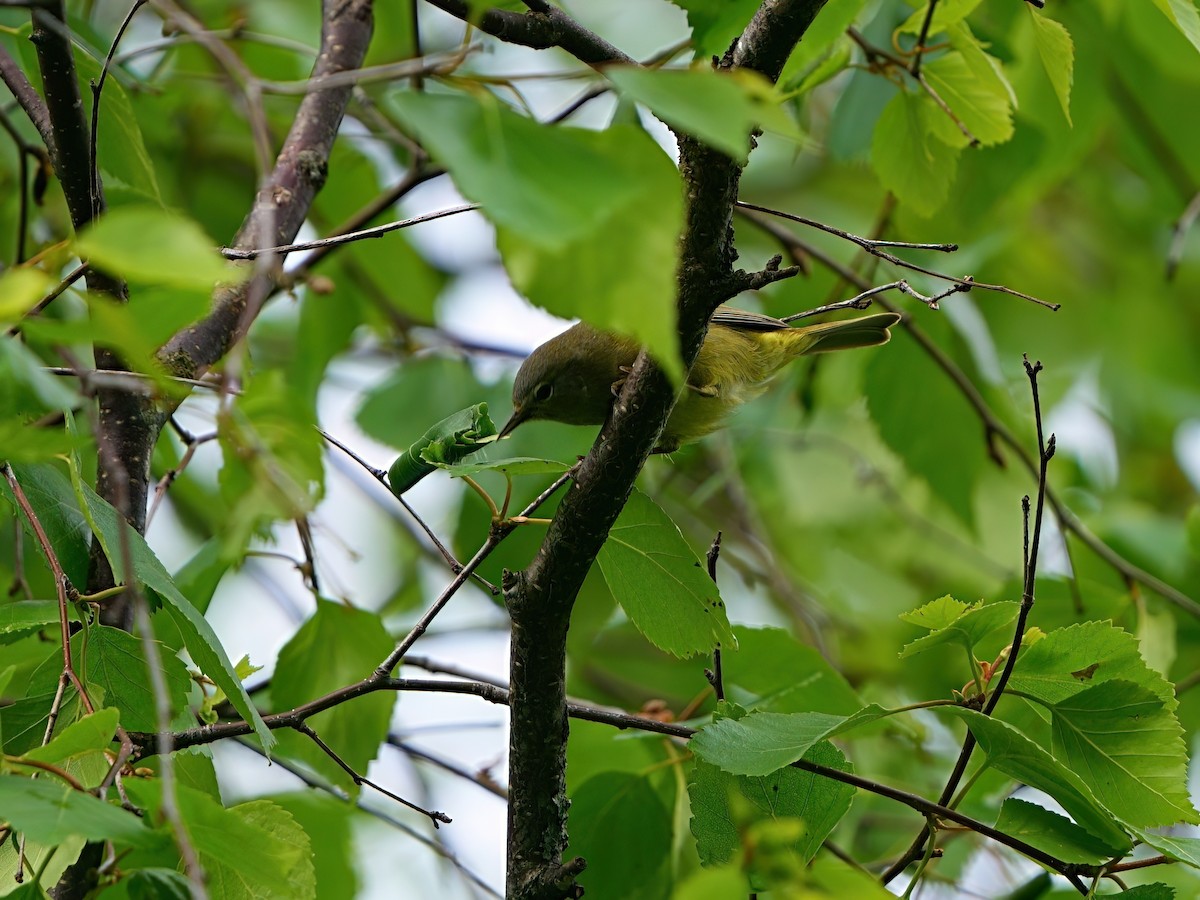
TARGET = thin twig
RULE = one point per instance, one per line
(996, 431)
(434, 64)
(340, 794)
(71, 277)
(61, 587)
(919, 49)
(168, 478)
(97, 88)
(481, 778)
(498, 532)
(434, 815)
(336, 240)
(714, 675)
(381, 476)
(1029, 554)
(1179, 235)
(620, 719)
(874, 248)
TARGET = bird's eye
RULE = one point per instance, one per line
(543, 392)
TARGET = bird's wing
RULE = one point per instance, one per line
(744, 320)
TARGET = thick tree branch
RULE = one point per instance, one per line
(543, 27)
(541, 597)
(123, 418)
(772, 34)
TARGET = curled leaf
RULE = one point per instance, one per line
(445, 443)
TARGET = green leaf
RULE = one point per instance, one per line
(291, 847)
(152, 245)
(87, 735)
(936, 614)
(337, 646)
(981, 105)
(137, 328)
(932, 429)
(328, 822)
(29, 891)
(50, 494)
(1156, 891)
(443, 444)
(1183, 849)
(790, 793)
(425, 387)
(1069, 660)
(198, 636)
(27, 615)
(618, 823)
(1130, 749)
(24, 721)
(116, 661)
(120, 147)
(1015, 755)
(761, 743)
(1050, 832)
(774, 672)
(911, 162)
(586, 221)
(836, 61)
(973, 624)
(1183, 15)
(273, 458)
(1057, 51)
(49, 812)
(199, 577)
(947, 13)
(824, 41)
(158, 884)
(27, 389)
(659, 582)
(987, 69)
(715, 23)
(720, 109)
(20, 290)
(253, 851)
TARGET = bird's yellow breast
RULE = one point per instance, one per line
(733, 367)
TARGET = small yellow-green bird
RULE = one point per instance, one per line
(574, 377)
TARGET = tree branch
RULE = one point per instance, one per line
(129, 424)
(541, 597)
(543, 27)
(283, 202)
(27, 97)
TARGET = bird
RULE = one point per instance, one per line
(575, 377)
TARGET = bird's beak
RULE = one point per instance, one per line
(519, 415)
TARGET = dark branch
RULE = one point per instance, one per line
(547, 26)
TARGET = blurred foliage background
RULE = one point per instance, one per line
(861, 486)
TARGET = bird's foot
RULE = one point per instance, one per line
(620, 382)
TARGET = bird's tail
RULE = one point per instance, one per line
(846, 334)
